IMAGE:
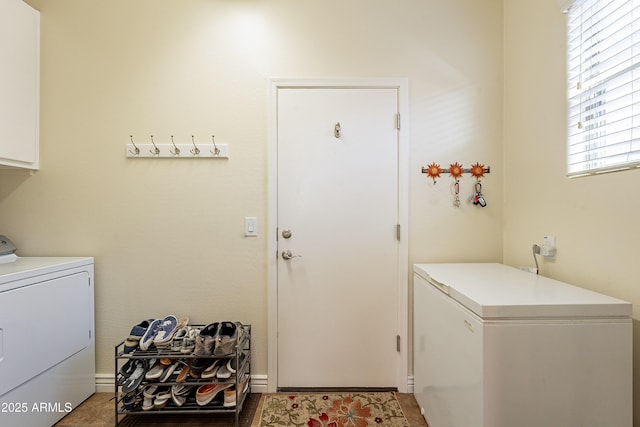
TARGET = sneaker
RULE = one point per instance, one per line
(189, 342)
(147, 339)
(206, 340)
(132, 341)
(229, 333)
(165, 331)
(178, 338)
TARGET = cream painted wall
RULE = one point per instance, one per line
(593, 218)
(167, 235)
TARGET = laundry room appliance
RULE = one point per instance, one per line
(495, 346)
(47, 347)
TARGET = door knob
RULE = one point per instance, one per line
(287, 255)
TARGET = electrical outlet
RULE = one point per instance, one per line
(548, 248)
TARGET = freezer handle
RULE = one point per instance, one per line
(444, 288)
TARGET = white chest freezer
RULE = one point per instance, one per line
(47, 339)
(498, 347)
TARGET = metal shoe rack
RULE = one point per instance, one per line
(242, 355)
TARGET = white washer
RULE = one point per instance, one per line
(498, 347)
(47, 339)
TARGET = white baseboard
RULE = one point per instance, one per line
(105, 383)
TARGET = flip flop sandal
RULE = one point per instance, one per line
(210, 372)
(223, 372)
(125, 371)
(184, 372)
(135, 379)
(168, 372)
(155, 372)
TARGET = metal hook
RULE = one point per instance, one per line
(195, 150)
(136, 150)
(176, 150)
(156, 150)
(216, 150)
(337, 130)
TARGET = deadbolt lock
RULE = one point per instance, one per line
(286, 233)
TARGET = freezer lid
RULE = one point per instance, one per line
(498, 291)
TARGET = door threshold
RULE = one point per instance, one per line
(336, 389)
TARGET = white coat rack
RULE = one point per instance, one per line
(177, 151)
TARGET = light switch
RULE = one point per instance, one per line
(250, 226)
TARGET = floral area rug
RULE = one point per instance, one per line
(332, 410)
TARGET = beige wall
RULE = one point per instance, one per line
(167, 235)
(593, 218)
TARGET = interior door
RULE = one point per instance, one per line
(337, 211)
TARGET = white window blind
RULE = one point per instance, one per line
(603, 86)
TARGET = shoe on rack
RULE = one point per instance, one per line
(223, 372)
(211, 370)
(231, 365)
(189, 341)
(147, 404)
(155, 370)
(125, 371)
(135, 379)
(179, 393)
(165, 331)
(205, 341)
(229, 333)
(137, 331)
(208, 392)
(168, 371)
(132, 401)
(230, 393)
(184, 371)
(147, 339)
(178, 338)
(164, 337)
(162, 397)
(150, 391)
(199, 365)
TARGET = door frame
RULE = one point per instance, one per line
(402, 85)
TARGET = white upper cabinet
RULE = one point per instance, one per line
(19, 84)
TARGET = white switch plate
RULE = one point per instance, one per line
(250, 226)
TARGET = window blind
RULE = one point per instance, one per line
(603, 86)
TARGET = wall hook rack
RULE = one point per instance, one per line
(175, 150)
(477, 170)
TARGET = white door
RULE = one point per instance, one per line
(337, 200)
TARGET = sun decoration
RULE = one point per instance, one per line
(477, 170)
(433, 171)
(455, 170)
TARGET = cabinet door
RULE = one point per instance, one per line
(19, 84)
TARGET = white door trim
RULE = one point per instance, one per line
(402, 85)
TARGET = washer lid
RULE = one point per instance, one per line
(497, 291)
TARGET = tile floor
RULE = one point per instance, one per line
(99, 411)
